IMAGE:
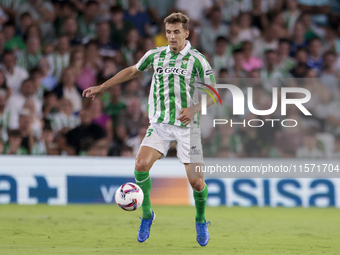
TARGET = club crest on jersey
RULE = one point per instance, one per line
(173, 70)
(185, 62)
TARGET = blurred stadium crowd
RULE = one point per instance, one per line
(50, 51)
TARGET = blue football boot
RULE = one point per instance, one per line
(144, 229)
(202, 233)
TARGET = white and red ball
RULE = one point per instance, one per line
(129, 196)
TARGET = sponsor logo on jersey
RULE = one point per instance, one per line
(159, 70)
(173, 70)
(194, 151)
(208, 72)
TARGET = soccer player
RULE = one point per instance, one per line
(173, 108)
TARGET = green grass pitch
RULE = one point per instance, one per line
(107, 229)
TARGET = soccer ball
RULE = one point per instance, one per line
(129, 196)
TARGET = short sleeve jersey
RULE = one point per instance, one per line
(174, 82)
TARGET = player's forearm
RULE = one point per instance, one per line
(210, 101)
(123, 76)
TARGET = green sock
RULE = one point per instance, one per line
(200, 202)
(144, 181)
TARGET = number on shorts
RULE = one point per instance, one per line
(149, 132)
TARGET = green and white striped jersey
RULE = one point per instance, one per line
(5, 119)
(58, 63)
(13, 4)
(61, 120)
(173, 85)
(28, 61)
(39, 148)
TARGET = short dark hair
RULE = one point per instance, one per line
(109, 59)
(267, 52)
(99, 23)
(48, 93)
(47, 126)
(34, 71)
(284, 40)
(91, 2)
(223, 70)
(178, 17)
(300, 49)
(14, 132)
(69, 4)
(221, 39)
(25, 14)
(245, 43)
(86, 143)
(29, 79)
(116, 9)
(91, 42)
(8, 52)
(9, 24)
(313, 39)
(213, 9)
(237, 51)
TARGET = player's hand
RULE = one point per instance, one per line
(186, 115)
(91, 92)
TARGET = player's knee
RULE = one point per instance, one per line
(197, 184)
(142, 165)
